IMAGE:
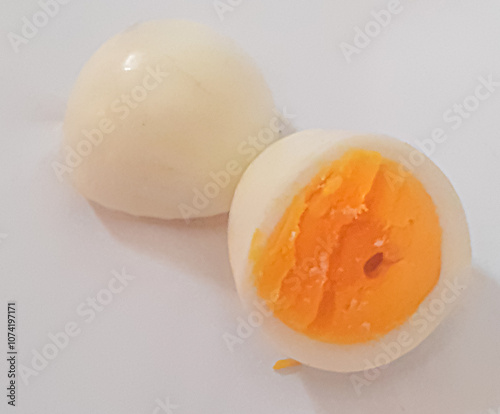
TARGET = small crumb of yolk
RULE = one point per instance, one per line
(355, 253)
(286, 363)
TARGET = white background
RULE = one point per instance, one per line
(163, 335)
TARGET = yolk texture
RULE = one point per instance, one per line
(355, 253)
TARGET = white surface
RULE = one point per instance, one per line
(163, 335)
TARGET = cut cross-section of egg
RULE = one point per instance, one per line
(161, 120)
(358, 245)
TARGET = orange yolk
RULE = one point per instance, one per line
(356, 252)
(286, 363)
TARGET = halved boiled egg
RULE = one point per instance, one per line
(160, 120)
(358, 245)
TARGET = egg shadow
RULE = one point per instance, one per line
(197, 247)
(289, 126)
(456, 370)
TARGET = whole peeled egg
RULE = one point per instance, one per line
(357, 244)
(159, 119)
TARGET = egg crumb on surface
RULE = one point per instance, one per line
(286, 363)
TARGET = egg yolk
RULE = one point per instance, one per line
(355, 253)
(286, 363)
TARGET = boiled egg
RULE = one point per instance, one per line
(357, 244)
(159, 120)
